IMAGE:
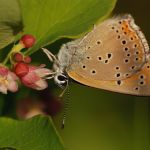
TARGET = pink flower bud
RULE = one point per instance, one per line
(32, 76)
(21, 69)
(18, 57)
(27, 59)
(28, 40)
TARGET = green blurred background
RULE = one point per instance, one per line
(102, 120)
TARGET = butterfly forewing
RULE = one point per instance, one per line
(112, 51)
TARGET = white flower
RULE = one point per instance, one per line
(8, 80)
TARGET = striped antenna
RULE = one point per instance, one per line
(66, 107)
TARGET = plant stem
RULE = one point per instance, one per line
(16, 48)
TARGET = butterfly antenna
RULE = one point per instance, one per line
(66, 107)
(51, 56)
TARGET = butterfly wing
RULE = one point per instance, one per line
(137, 84)
(114, 50)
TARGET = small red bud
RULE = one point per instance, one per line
(28, 40)
(21, 69)
(27, 59)
(18, 57)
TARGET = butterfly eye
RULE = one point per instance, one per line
(61, 78)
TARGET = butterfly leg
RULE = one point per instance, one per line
(47, 78)
(50, 76)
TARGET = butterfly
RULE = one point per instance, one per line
(113, 56)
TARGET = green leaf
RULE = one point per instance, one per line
(7, 148)
(49, 20)
(37, 133)
(10, 21)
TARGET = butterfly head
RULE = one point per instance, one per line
(61, 79)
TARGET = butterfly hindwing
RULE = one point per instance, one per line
(137, 84)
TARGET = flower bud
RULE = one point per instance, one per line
(21, 69)
(18, 57)
(28, 40)
(27, 59)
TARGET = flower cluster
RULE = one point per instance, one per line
(22, 71)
